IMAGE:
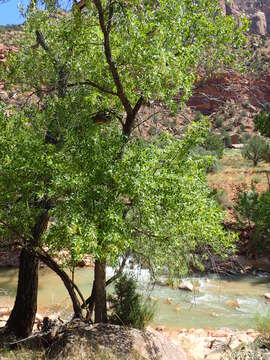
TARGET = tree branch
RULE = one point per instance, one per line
(107, 47)
(119, 271)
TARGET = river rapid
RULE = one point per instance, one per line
(215, 303)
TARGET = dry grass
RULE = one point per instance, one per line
(238, 172)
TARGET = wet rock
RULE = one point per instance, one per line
(160, 328)
(233, 303)
(186, 285)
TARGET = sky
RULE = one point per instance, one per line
(9, 12)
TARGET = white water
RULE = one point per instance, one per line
(208, 307)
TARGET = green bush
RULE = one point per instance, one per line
(226, 139)
(255, 149)
(129, 308)
(262, 123)
(214, 144)
(218, 121)
(251, 209)
(245, 206)
(222, 198)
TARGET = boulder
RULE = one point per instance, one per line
(186, 285)
(114, 342)
(259, 23)
(235, 139)
(233, 303)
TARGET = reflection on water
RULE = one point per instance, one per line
(217, 302)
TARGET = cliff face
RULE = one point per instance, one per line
(256, 10)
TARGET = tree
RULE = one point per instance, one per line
(143, 51)
(255, 149)
(262, 123)
(109, 63)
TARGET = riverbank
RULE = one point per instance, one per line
(76, 339)
(209, 344)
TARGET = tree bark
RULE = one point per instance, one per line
(100, 292)
(66, 280)
(23, 314)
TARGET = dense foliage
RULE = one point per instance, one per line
(253, 209)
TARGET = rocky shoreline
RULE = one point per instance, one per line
(193, 344)
(210, 344)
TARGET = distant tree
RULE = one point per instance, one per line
(262, 123)
(255, 149)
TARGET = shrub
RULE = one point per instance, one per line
(254, 149)
(211, 161)
(218, 121)
(252, 208)
(246, 205)
(266, 156)
(214, 144)
(129, 308)
(226, 139)
(262, 123)
(222, 198)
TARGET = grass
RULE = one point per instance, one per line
(263, 323)
(21, 354)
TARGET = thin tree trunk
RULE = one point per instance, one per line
(100, 292)
(66, 280)
(22, 317)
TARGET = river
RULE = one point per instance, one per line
(216, 303)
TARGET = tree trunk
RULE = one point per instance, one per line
(100, 292)
(23, 314)
(66, 280)
(22, 317)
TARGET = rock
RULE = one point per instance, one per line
(160, 328)
(168, 301)
(233, 303)
(259, 24)
(235, 139)
(213, 356)
(235, 344)
(115, 342)
(4, 311)
(267, 296)
(186, 285)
